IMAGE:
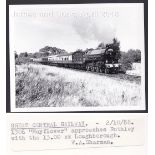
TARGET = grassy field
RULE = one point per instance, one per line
(48, 86)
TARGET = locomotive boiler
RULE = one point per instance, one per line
(102, 60)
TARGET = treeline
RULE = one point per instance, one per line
(129, 57)
(24, 57)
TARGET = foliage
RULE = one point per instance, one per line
(79, 50)
(16, 55)
(134, 55)
(52, 50)
(127, 58)
(40, 55)
(24, 54)
(24, 57)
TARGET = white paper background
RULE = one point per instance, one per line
(13, 35)
(128, 140)
(123, 151)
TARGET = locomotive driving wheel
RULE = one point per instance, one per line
(93, 69)
(97, 69)
(107, 71)
(87, 67)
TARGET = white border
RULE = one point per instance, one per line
(74, 109)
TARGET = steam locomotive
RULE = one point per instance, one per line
(100, 60)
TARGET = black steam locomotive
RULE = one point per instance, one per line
(100, 60)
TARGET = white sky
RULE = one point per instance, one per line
(72, 27)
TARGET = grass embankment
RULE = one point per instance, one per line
(46, 86)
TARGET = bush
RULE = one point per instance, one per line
(22, 60)
(127, 58)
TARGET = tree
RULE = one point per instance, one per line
(79, 50)
(134, 55)
(24, 54)
(16, 55)
(47, 50)
(116, 48)
(129, 57)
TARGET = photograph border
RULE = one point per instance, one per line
(30, 2)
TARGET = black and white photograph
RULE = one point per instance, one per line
(77, 57)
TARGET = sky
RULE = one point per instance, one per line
(73, 27)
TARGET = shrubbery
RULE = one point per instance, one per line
(22, 58)
(127, 58)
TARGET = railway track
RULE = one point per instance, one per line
(119, 76)
(131, 78)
